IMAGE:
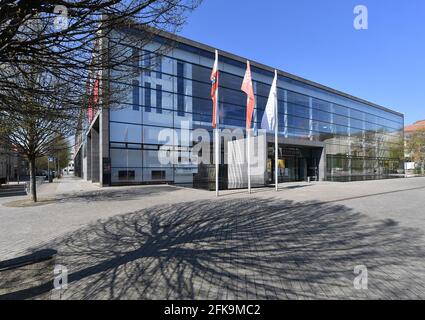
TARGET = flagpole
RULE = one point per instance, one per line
(276, 138)
(248, 131)
(276, 147)
(126, 147)
(217, 138)
(217, 151)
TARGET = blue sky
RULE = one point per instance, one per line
(316, 40)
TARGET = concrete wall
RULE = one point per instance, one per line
(95, 169)
(238, 162)
(103, 145)
(84, 166)
(88, 159)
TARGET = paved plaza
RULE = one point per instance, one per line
(165, 242)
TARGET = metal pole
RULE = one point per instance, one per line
(8, 168)
(276, 153)
(276, 138)
(18, 167)
(249, 159)
(217, 139)
(217, 161)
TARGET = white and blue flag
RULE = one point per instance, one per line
(270, 113)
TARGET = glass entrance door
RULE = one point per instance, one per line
(293, 164)
(290, 171)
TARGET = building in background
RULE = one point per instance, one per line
(13, 167)
(411, 166)
(69, 169)
(416, 127)
(323, 133)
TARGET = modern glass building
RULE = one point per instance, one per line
(324, 134)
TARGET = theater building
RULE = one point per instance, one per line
(324, 134)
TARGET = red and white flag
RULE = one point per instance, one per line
(249, 90)
(96, 92)
(93, 98)
(89, 101)
(214, 91)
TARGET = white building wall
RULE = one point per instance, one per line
(238, 162)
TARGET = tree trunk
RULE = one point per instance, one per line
(33, 179)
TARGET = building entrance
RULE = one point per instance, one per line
(294, 163)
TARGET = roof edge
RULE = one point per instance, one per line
(208, 48)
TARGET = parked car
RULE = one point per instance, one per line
(42, 173)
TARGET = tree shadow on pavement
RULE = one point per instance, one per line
(115, 194)
(238, 249)
(102, 195)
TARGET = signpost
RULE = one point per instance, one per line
(49, 159)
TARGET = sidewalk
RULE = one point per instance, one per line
(163, 242)
(66, 185)
(66, 205)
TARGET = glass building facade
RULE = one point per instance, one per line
(323, 133)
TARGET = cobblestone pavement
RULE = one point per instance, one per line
(173, 243)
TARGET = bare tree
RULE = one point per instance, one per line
(34, 131)
(60, 150)
(52, 53)
(60, 36)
